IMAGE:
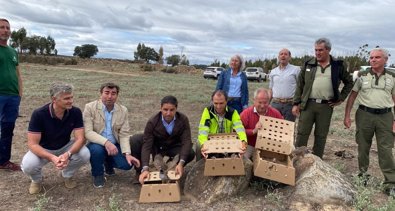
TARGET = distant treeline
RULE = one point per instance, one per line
(34, 45)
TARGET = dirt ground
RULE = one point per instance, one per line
(119, 189)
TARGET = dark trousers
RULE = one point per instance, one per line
(285, 109)
(320, 116)
(236, 104)
(9, 109)
(368, 125)
(136, 143)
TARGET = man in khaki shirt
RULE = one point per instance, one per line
(107, 131)
(375, 89)
(317, 93)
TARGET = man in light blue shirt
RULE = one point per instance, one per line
(169, 126)
(107, 131)
(283, 84)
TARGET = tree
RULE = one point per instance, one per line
(31, 43)
(216, 63)
(34, 43)
(50, 46)
(173, 60)
(149, 54)
(160, 59)
(17, 37)
(145, 53)
(184, 60)
(85, 51)
(42, 44)
(137, 53)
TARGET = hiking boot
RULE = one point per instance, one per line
(364, 178)
(98, 181)
(390, 191)
(110, 172)
(10, 166)
(108, 169)
(35, 187)
(70, 183)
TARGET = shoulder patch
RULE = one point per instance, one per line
(364, 72)
(390, 71)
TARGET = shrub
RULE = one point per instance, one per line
(169, 70)
(71, 62)
(147, 68)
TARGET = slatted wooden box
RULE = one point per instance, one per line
(154, 190)
(227, 144)
(273, 149)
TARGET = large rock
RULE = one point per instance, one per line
(318, 182)
(212, 189)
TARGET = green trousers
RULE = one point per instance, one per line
(320, 116)
(369, 124)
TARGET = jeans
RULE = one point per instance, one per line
(9, 109)
(99, 156)
(32, 164)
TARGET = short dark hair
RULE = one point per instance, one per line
(3, 19)
(219, 92)
(110, 86)
(169, 99)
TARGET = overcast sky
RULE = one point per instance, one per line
(206, 30)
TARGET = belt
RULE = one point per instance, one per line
(320, 101)
(282, 100)
(234, 98)
(375, 110)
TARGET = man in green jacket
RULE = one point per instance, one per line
(317, 93)
(219, 118)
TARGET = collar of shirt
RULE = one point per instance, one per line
(286, 66)
(255, 111)
(104, 108)
(237, 75)
(52, 112)
(168, 126)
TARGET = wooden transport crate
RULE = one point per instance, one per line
(272, 150)
(224, 144)
(156, 190)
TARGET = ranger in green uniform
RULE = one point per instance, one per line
(375, 89)
(317, 93)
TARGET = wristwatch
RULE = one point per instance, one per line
(145, 168)
(69, 153)
(182, 162)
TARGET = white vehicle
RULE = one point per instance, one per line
(255, 73)
(212, 72)
(363, 68)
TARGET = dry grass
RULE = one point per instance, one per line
(141, 93)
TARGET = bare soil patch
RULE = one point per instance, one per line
(141, 93)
